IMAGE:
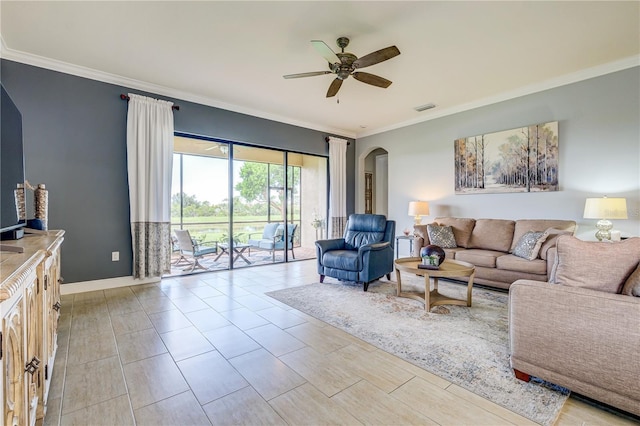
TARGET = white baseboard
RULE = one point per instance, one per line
(84, 286)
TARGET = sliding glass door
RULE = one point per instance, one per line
(256, 206)
(200, 201)
(259, 205)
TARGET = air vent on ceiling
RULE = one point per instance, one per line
(425, 107)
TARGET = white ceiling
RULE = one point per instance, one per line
(233, 55)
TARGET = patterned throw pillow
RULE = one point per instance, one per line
(529, 245)
(441, 236)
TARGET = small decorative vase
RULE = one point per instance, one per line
(41, 199)
(432, 255)
(21, 207)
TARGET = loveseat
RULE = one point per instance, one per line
(581, 330)
(489, 244)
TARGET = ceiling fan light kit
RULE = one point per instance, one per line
(344, 64)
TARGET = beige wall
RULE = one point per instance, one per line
(599, 142)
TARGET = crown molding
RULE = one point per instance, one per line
(79, 71)
(118, 80)
(597, 71)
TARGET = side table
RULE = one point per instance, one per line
(409, 238)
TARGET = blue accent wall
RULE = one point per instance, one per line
(75, 143)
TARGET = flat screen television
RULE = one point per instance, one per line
(11, 168)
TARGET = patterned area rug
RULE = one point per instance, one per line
(467, 346)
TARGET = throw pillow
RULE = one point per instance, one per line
(603, 266)
(529, 245)
(441, 236)
(552, 238)
(279, 234)
(462, 228)
(632, 285)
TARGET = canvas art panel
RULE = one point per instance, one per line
(524, 159)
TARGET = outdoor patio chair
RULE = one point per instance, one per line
(191, 250)
(273, 239)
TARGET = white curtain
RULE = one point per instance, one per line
(337, 186)
(149, 162)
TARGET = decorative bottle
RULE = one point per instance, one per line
(42, 204)
(21, 206)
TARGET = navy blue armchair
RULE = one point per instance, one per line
(363, 255)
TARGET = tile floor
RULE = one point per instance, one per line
(213, 349)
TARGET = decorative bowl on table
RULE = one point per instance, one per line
(432, 257)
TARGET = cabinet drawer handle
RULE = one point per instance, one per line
(32, 365)
(57, 306)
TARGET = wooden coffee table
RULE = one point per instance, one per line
(448, 269)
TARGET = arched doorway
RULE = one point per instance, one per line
(376, 182)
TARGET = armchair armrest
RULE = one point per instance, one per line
(328, 245)
(202, 245)
(373, 247)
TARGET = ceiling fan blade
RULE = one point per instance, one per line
(372, 79)
(325, 51)
(335, 86)
(376, 57)
(306, 74)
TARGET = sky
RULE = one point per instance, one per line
(204, 177)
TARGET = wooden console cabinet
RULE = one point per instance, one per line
(29, 311)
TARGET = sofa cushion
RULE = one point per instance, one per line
(540, 225)
(450, 253)
(511, 262)
(486, 258)
(552, 238)
(529, 245)
(631, 287)
(492, 234)
(603, 266)
(462, 228)
(441, 236)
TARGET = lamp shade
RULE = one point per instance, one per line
(605, 208)
(418, 208)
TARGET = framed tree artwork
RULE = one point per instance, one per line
(517, 160)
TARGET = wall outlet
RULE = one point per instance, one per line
(115, 256)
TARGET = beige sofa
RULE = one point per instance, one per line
(487, 244)
(582, 331)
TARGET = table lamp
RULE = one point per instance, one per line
(604, 209)
(417, 209)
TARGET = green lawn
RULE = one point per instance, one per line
(216, 228)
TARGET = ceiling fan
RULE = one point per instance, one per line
(344, 64)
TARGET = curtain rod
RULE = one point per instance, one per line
(327, 141)
(126, 98)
